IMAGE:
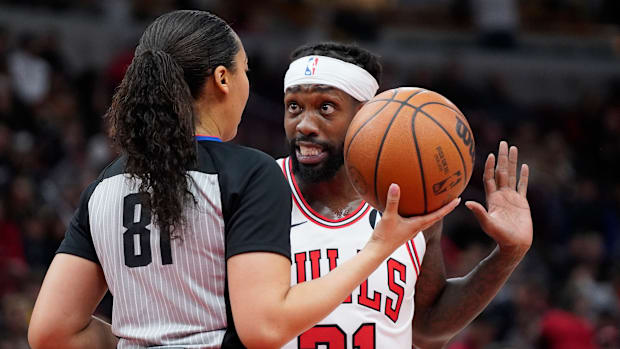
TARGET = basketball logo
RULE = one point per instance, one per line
(465, 135)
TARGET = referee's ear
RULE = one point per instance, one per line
(220, 77)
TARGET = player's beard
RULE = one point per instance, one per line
(323, 171)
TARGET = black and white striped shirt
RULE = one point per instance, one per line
(173, 293)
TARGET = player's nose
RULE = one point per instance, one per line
(307, 125)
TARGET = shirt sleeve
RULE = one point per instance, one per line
(78, 241)
(260, 214)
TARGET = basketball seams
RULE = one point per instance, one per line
(413, 106)
(456, 110)
(449, 136)
(379, 153)
(461, 116)
(369, 119)
(420, 164)
(402, 104)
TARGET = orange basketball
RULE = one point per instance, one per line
(415, 138)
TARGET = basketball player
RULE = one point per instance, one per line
(189, 233)
(407, 300)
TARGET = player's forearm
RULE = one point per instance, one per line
(462, 299)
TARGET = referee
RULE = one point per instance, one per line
(189, 233)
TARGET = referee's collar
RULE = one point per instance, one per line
(207, 138)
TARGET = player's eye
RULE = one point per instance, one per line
(327, 108)
(293, 108)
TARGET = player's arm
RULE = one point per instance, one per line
(445, 307)
(268, 312)
(62, 315)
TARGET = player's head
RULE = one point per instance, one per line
(325, 86)
(182, 60)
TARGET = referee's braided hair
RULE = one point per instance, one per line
(151, 116)
(350, 53)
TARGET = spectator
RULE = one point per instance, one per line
(30, 74)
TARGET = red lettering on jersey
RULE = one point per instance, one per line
(394, 266)
(332, 256)
(364, 337)
(330, 335)
(363, 299)
(333, 337)
(300, 263)
(315, 256)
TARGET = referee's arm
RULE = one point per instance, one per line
(62, 315)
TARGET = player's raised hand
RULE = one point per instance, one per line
(507, 218)
(394, 230)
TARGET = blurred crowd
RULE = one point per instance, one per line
(565, 294)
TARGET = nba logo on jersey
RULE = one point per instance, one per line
(311, 66)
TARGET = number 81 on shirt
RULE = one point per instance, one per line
(333, 337)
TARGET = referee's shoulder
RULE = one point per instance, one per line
(241, 155)
(116, 167)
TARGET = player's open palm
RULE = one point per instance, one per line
(507, 218)
(394, 230)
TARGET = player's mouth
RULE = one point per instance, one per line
(309, 153)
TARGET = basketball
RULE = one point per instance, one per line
(415, 138)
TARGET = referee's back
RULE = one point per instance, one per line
(173, 292)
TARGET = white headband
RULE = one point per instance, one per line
(322, 70)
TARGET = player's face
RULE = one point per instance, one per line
(316, 119)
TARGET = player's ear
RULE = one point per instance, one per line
(359, 106)
(221, 79)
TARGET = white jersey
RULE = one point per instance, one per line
(379, 313)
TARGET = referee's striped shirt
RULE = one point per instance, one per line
(173, 293)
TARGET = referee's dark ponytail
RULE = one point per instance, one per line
(151, 116)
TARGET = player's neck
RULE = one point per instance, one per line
(334, 198)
